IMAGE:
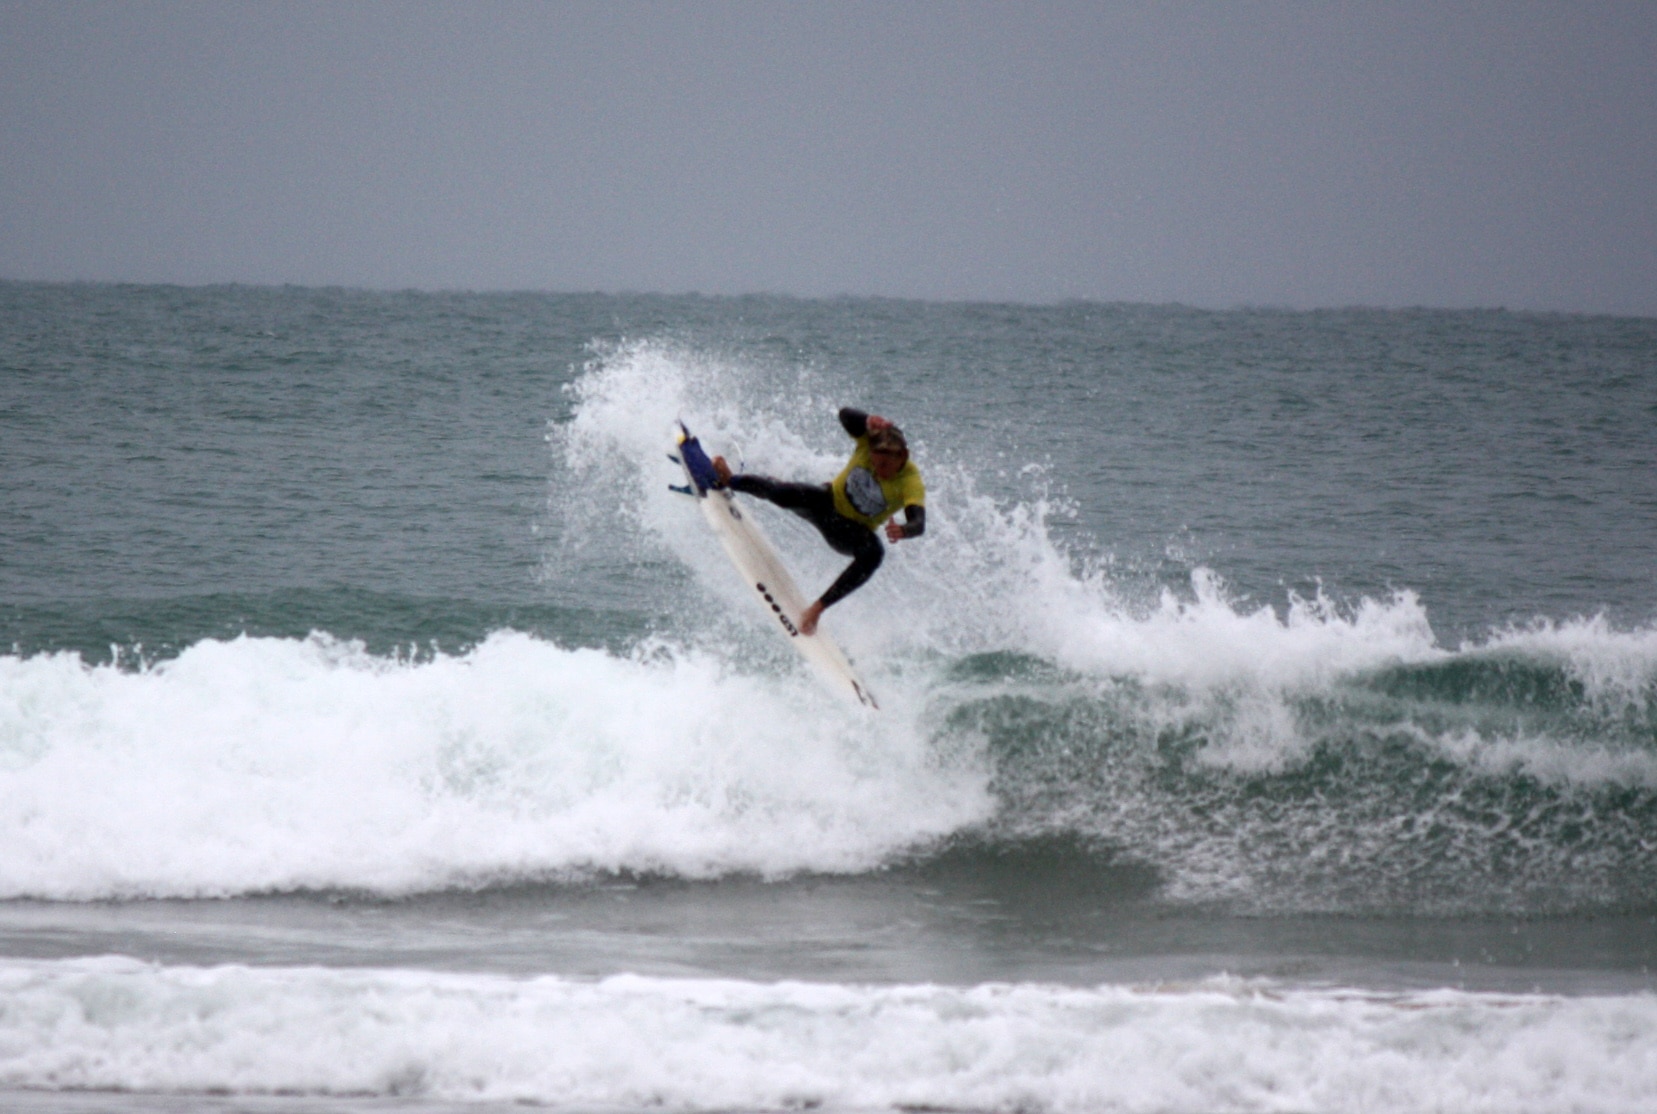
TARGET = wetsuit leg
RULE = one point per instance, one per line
(815, 504)
(806, 500)
(858, 542)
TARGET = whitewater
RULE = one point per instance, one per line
(650, 1043)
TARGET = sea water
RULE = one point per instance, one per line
(1269, 712)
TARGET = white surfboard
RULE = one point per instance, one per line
(757, 561)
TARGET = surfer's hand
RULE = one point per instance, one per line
(894, 530)
(809, 617)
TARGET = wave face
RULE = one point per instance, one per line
(1514, 777)
(1330, 764)
(635, 1043)
(1322, 751)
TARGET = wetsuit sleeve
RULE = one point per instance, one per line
(914, 521)
(855, 422)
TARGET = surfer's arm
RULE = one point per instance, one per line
(913, 525)
(858, 424)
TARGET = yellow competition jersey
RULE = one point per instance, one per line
(861, 497)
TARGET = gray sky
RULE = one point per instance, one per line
(1443, 154)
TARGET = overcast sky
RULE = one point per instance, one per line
(1476, 154)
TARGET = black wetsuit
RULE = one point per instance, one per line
(815, 504)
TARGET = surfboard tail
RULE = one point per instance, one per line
(696, 462)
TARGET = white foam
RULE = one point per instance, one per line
(271, 764)
(633, 1042)
(1551, 761)
(1617, 669)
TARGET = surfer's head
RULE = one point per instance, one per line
(888, 451)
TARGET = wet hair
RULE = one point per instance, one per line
(888, 439)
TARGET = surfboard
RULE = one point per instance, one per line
(757, 562)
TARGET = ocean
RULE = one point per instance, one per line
(1268, 714)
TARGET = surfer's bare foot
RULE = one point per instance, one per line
(809, 617)
(722, 472)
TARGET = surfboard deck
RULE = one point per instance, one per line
(757, 561)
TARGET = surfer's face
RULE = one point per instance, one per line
(887, 463)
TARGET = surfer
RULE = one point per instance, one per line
(875, 484)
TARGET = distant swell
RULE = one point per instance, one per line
(101, 630)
